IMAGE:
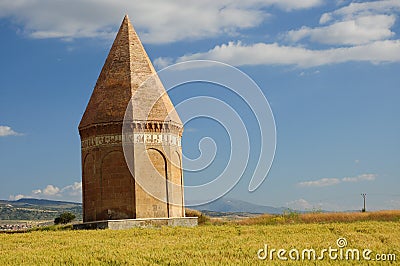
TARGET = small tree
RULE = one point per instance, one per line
(64, 218)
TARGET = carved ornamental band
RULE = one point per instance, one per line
(143, 138)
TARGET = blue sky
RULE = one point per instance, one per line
(329, 69)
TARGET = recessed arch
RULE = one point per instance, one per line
(88, 187)
(159, 181)
(117, 187)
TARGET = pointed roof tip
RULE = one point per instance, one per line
(126, 18)
(127, 21)
(127, 66)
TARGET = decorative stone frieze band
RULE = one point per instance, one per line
(143, 138)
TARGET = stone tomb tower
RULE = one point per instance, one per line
(110, 191)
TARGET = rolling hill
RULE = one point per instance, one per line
(37, 209)
(42, 209)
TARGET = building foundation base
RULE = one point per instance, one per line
(143, 222)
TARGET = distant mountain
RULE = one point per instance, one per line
(234, 205)
(37, 209)
(42, 209)
(45, 202)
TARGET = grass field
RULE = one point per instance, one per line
(211, 244)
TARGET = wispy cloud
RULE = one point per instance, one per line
(70, 192)
(239, 54)
(361, 30)
(8, 131)
(17, 197)
(324, 182)
(191, 129)
(355, 10)
(353, 24)
(299, 204)
(158, 21)
(364, 177)
(358, 32)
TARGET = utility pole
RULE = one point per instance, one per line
(363, 195)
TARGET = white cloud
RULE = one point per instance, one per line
(163, 62)
(353, 24)
(361, 30)
(299, 204)
(50, 190)
(191, 129)
(239, 54)
(71, 192)
(324, 182)
(309, 73)
(16, 197)
(289, 5)
(158, 21)
(8, 131)
(363, 177)
(36, 192)
(354, 10)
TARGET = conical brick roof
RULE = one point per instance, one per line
(126, 68)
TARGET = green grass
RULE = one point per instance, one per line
(229, 244)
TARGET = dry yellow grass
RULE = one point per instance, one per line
(292, 217)
(203, 245)
(233, 243)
